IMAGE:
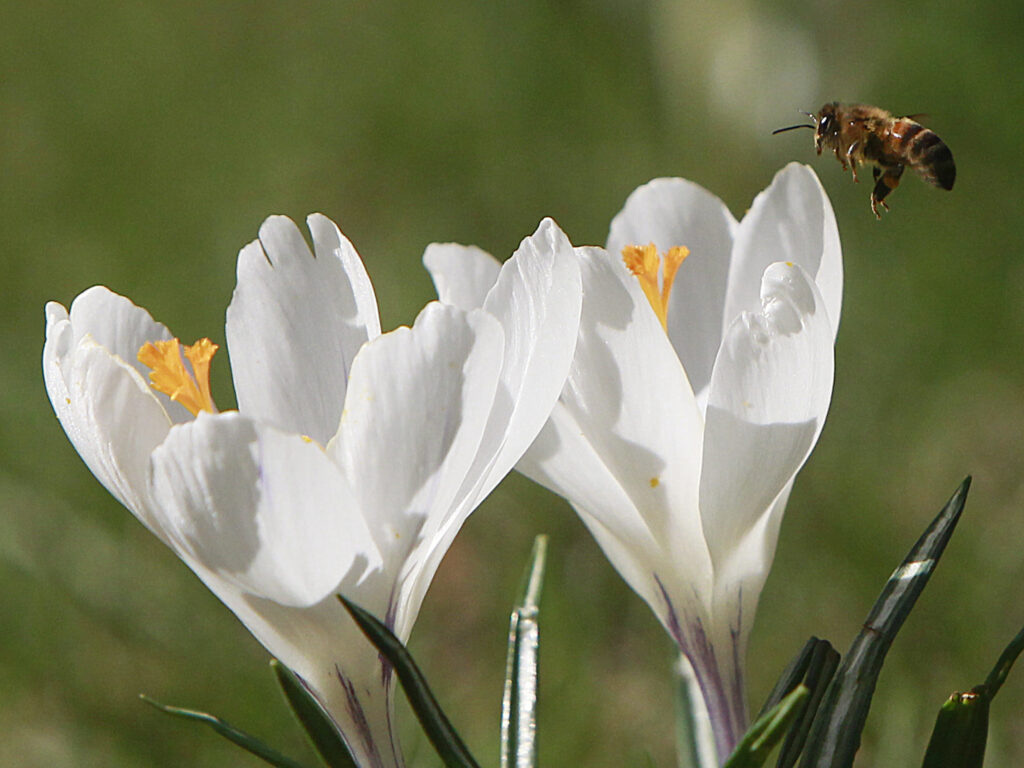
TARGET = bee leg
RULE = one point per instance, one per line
(885, 182)
(852, 159)
(839, 157)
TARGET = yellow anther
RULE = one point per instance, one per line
(170, 376)
(643, 261)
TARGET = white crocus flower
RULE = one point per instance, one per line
(353, 458)
(680, 430)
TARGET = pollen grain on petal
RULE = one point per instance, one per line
(169, 375)
(655, 482)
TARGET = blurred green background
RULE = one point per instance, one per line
(143, 142)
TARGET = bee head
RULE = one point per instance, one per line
(827, 132)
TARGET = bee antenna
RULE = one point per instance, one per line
(791, 127)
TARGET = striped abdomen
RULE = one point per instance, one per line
(923, 150)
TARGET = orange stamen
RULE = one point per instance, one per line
(645, 264)
(170, 376)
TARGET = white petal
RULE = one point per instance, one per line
(740, 579)
(417, 405)
(671, 212)
(462, 274)
(562, 459)
(265, 510)
(322, 645)
(115, 323)
(635, 421)
(110, 414)
(295, 324)
(627, 390)
(122, 328)
(770, 391)
(792, 220)
(537, 299)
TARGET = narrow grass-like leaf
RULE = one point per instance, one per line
(791, 676)
(960, 733)
(835, 735)
(821, 668)
(695, 742)
(229, 732)
(768, 730)
(448, 743)
(795, 672)
(519, 700)
(311, 716)
(997, 676)
(961, 727)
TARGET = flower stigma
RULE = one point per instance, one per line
(644, 262)
(170, 376)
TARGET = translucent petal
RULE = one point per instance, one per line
(296, 323)
(417, 405)
(792, 220)
(264, 509)
(110, 414)
(627, 436)
(670, 212)
(462, 274)
(769, 394)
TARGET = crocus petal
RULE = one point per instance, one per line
(322, 645)
(671, 212)
(262, 508)
(462, 274)
(329, 653)
(561, 457)
(537, 299)
(114, 323)
(122, 328)
(629, 396)
(769, 394)
(418, 402)
(329, 242)
(295, 324)
(792, 220)
(110, 414)
(740, 579)
(536, 296)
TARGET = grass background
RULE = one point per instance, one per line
(142, 143)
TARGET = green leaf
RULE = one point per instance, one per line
(439, 730)
(519, 701)
(758, 742)
(961, 727)
(997, 676)
(960, 733)
(317, 723)
(822, 660)
(835, 735)
(811, 662)
(229, 732)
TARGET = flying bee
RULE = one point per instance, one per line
(859, 133)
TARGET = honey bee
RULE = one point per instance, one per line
(859, 133)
